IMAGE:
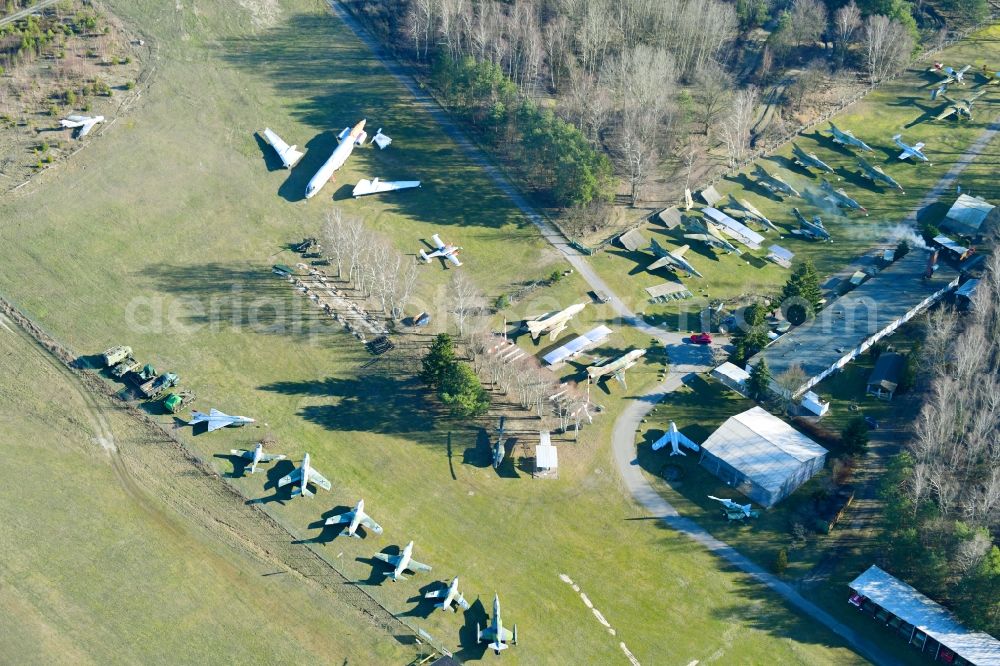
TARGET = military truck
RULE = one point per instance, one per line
(125, 366)
(175, 402)
(150, 385)
(116, 355)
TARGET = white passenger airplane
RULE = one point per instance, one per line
(449, 252)
(401, 562)
(348, 138)
(304, 476)
(288, 154)
(83, 124)
(354, 518)
(451, 596)
(256, 456)
(216, 419)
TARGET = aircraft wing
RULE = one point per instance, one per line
(905, 155)
(214, 423)
(660, 263)
(919, 146)
(418, 566)
(319, 479)
(679, 252)
(388, 559)
(950, 111)
(460, 600)
(87, 126)
(291, 477)
(381, 140)
(275, 140)
(371, 524)
(340, 518)
(242, 453)
(268, 457)
(508, 635)
(436, 240)
(453, 258)
(377, 186)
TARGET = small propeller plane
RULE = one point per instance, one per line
(615, 368)
(806, 160)
(82, 124)
(216, 419)
(448, 252)
(257, 456)
(289, 154)
(910, 151)
(811, 229)
(450, 595)
(671, 259)
(402, 562)
(875, 173)
(496, 631)
(354, 518)
(840, 197)
(773, 182)
(744, 209)
(950, 74)
(961, 107)
(304, 475)
(847, 138)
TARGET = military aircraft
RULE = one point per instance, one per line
(256, 456)
(451, 595)
(381, 140)
(733, 507)
(216, 419)
(847, 138)
(499, 450)
(354, 518)
(950, 74)
(875, 173)
(288, 154)
(615, 368)
(671, 259)
(82, 124)
(496, 631)
(744, 209)
(962, 107)
(940, 90)
(448, 252)
(553, 323)
(774, 183)
(377, 186)
(840, 197)
(304, 475)
(992, 77)
(402, 562)
(805, 160)
(348, 138)
(910, 151)
(706, 232)
(675, 438)
(811, 229)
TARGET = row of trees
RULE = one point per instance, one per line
(369, 262)
(943, 494)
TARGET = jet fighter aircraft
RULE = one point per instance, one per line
(847, 138)
(875, 173)
(910, 151)
(450, 595)
(401, 563)
(496, 631)
(354, 518)
(811, 229)
(216, 419)
(256, 456)
(671, 259)
(82, 124)
(806, 160)
(615, 368)
(304, 475)
(840, 197)
(705, 231)
(744, 209)
(553, 323)
(773, 182)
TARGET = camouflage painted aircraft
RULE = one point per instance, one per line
(961, 107)
(671, 259)
(772, 182)
(806, 160)
(743, 209)
(876, 174)
(703, 230)
(840, 197)
(813, 229)
(496, 631)
(847, 138)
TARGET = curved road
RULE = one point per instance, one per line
(27, 11)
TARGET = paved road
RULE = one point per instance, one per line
(34, 9)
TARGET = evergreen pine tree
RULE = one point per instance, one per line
(438, 360)
(759, 383)
(801, 297)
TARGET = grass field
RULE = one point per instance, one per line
(161, 235)
(97, 570)
(900, 106)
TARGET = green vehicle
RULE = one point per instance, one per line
(175, 402)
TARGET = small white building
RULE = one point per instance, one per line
(546, 457)
(814, 404)
(732, 376)
(761, 456)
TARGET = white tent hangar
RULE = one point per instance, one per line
(546, 457)
(761, 456)
(921, 621)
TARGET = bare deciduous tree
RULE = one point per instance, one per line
(735, 127)
(713, 88)
(808, 20)
(846, 22)
(887, 46)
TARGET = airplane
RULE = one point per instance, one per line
(962, 107)
(615, 368)
(675, 438)
(875, 173)
(83, 124)
(348, 138)
(381, 140)
(496, 631)
(805, 160)
(304, 475)
(671, 259)
(744, 209)
(940, 90)
(813, 229)
(734, 507)
(707, 233)
(553, 323)
(840, 197)
(950, 74)
(774, 183)
(401, 562)
(847, 138)
(992, 77)
(910, 151)
(216, 419)
(377, 186)
(354, 518)
(449, 252)
(288, 154)
(451, 595)
(256, 456)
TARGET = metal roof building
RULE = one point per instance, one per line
(852, 323)
(761, 456)
(924, 622)
(884, 379)
(967, 215)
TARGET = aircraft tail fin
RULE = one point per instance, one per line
(423, 255)
(535, 328)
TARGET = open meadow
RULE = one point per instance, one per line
(161, 236)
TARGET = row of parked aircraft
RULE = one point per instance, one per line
(352, 520)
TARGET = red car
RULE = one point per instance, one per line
(701, 339)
